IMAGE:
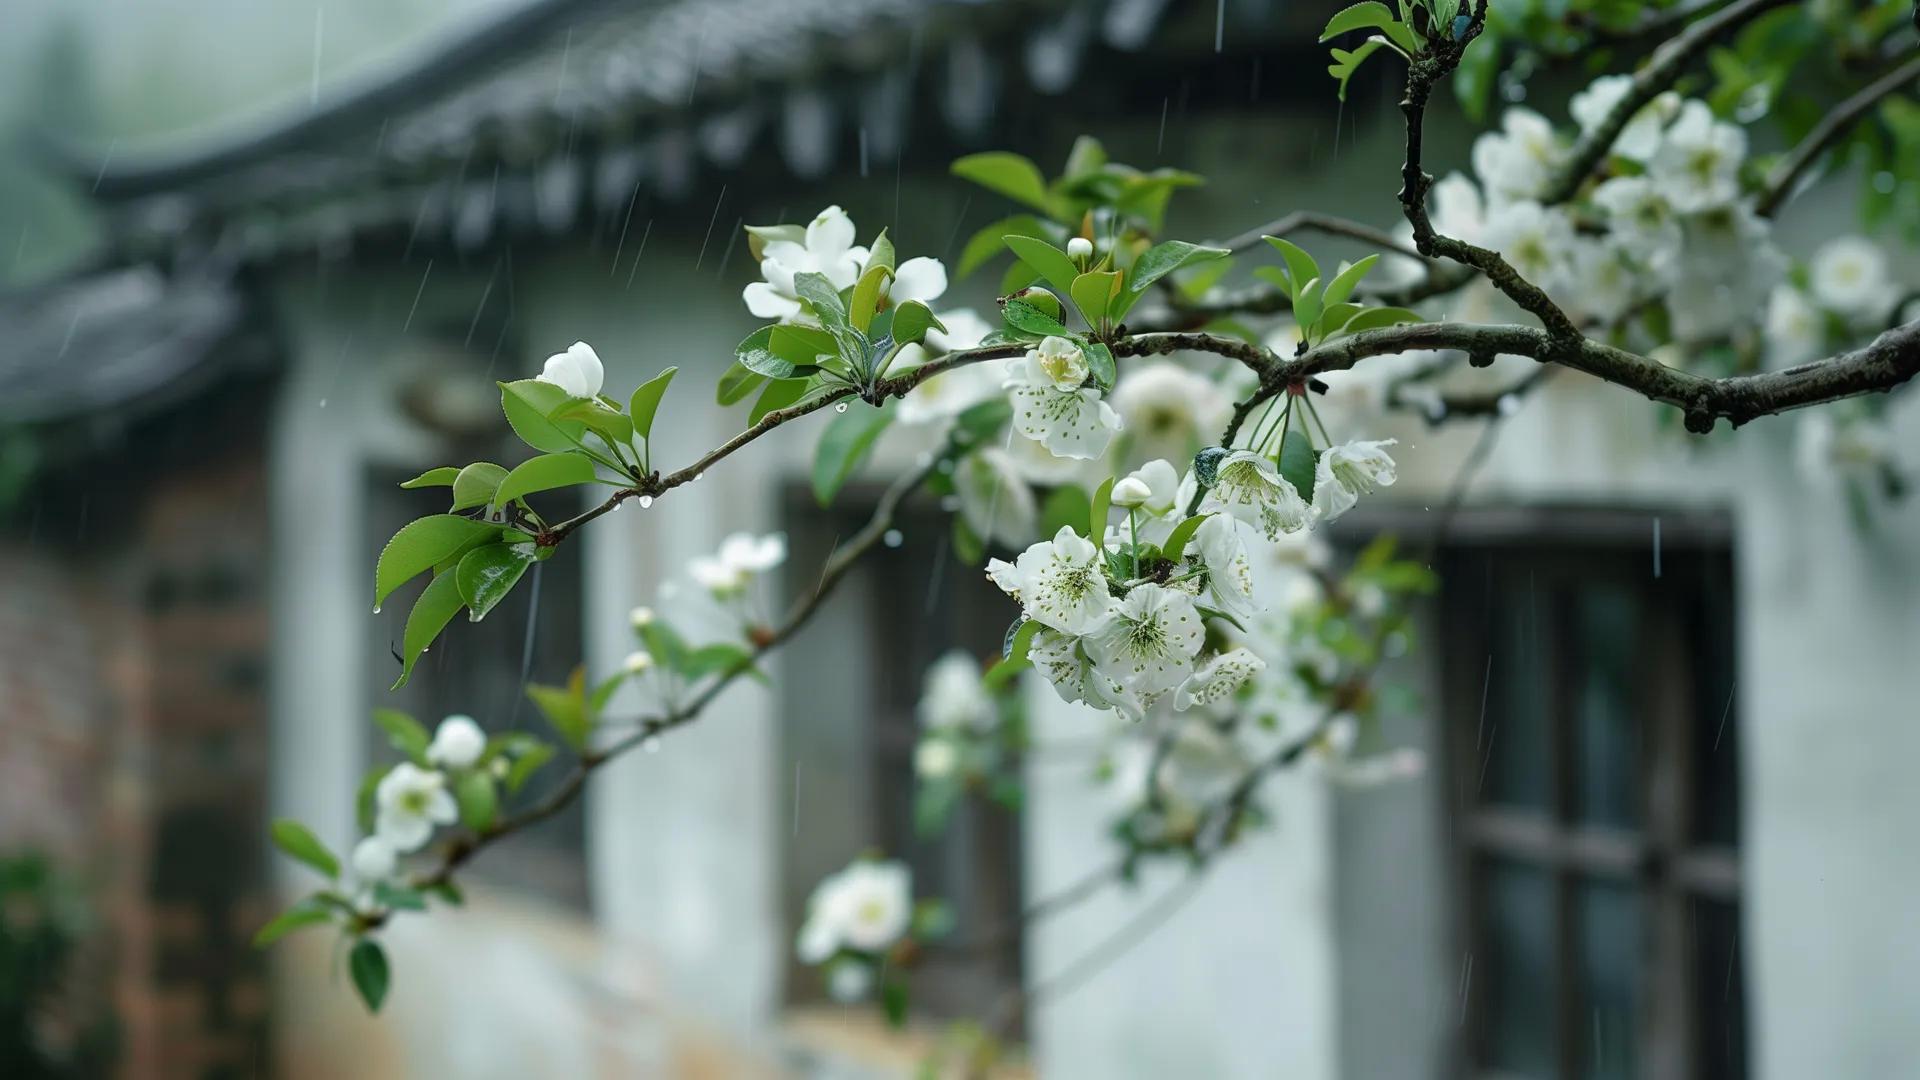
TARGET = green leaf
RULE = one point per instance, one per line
(1024, 316)
(1048, 261)
(1345, 63)
(367, 963)
(1100, 363)
(991, 240)
(1306, 306)
(1146, 196)
(1087, 156)
(301, 915)
(1164, 258)
(487, 574)
(719, 658)
(399, 897)
(844, 445)
(525, 765)
(893, 998)
(477, 800)
(822, 297)
(757, 355)
(421, 544)
(646, 402)
(1300, 266)
(404, 734)
(475, 484)
(528, 403)
(1335, 318)
(363, 797)
(866, 296)
(1018, 276)
(779, 394)
(1376, 318)
(431, 613)
(1175, 546)
(1066, 505)
(566, 709)
(881, 253)
(600, 417)
(1009, 174)
(911, 321)
(296, 840)
(1297, 460)
(1343, 283)
(1097, 512)
(737, 382)
(440, 477)
(1094, 294)
(1364, 15)
(544, 473)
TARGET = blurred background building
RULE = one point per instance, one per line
(264, 262)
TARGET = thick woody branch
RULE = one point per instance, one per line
(1783, 183)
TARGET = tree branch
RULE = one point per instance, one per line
(1782, 182)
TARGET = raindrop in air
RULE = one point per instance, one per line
(842, 407)
(652, 745)
(893, 539)
(646, 501)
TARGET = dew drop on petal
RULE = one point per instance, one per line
(893, 539)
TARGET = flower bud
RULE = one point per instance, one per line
(374, 860)
(1080, 248)
(457, 743)
(638, 662)
(640, 617)
(1130, 493)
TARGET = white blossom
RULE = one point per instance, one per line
(1061, 582)
(1218, 678)
(1640, 217)
(1062, 660)
(1534, 238)
(1518, 161)
(638, 662)
(1349, 470)
(935, 759)
(641, 617)
(374, 860)
(1848, 275)
(1603, 281)
(1828, 443)
(457, 743)
(578, 371)
(1224, 555)
(753, 554)
(1169, 411)
(867, 907)
(1249, 486)
(1129, 493)
(1456, 208)
(953, 695)
(827, 249)
(921, 278)
(717, 576)
(1697, 166)
(1796, 331)
(409, 801)
(1051, 407)
(995, 501)
(1640, 138)
(1148, 642)
(1080, 247)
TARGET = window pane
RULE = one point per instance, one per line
(1513, 740)
(1610, 953)
(1605, 636)
(1719, 997)
(1519, 1021)
(1716, 728)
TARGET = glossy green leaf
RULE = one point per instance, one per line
(613, 426)
(419, 545)
(1346, 62)
(367, 963)
(779, 394)
(528, 403)
(1164, 258)
(438, 603)
(1052, 264)
(565, 709)
(487, 574)
(404, 734)
(881, 252)
(1364, 15)
(1297, 461)
(844, 445)
(1100, 363)
(866, 296)
(474, 486)
(440, 477)
(298, 841)
(1094, 294)
(1306, 305)
(525, 765)
(1343, 283)
(544, 473)
(477, 799)
(991, 240)
(1175, 547)
(1009, 174)
(736, 383)
(1300, 266)
(399, 897)
(911, 321)
(301, 915)
(646, 402)
(1022, 315)
(822, 297)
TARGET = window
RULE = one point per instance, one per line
(477, 671)
(1593, 747)
(851, 746)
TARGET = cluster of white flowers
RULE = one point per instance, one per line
(853, 918)
(957, 713)
(411, 801)
(826, 248)
(1849, 293)
(742, 557)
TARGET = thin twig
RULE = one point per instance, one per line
(1784, 178)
